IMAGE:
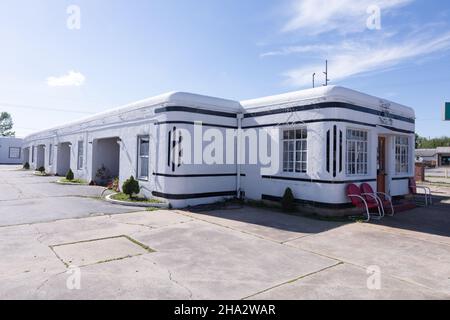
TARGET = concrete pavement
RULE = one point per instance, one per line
(241, 253)
(25, 198)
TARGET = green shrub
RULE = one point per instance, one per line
(41, 170)
(69, 175)
(131, 187)
(26, 166)
(288, 201)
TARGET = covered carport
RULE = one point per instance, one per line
(105, 160)
(63, 158)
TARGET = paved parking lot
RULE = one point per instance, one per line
(235, 253)
(26, 198)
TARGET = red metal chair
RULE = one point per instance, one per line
(427, 191)
(359, 201)
(382, 198)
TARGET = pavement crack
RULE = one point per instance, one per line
(38, 288)
(293, 280)
(179, 284)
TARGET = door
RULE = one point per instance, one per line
(381, 165)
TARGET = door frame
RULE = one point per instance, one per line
(382, 163)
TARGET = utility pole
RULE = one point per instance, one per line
(326, 74)
(314, 79)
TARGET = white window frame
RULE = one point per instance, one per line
(140, 157)
(295, 150)
(15, 148)
(402, 155)
(356, 152)
(80, 155)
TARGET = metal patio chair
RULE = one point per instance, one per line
(359, 201)
(383, 199)
(427, 191)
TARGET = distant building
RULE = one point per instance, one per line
(439, 157)
(10, 150)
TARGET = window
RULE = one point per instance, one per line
(32, 154)
(295, 148)
(50, 155)
(14, 153)
(143, 157)
(401, 155)
(80, 158)
(357, 156)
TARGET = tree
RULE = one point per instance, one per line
(131, 187)
(425, 143)
(69, 175)
(288, 201)
(6, 125)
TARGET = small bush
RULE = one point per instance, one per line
(131, 187)
(26, 166)
(69, 175)
(41, 170)
(288, 201)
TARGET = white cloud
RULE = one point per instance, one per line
(71, 79)
(344, 16)
(297, 49)
(349, 59)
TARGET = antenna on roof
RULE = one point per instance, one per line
(314, 79)
(326, 74)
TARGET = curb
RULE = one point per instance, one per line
(38, 174)
(71, 183)
(108, 198)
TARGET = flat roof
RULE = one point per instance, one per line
(303, 97)
(325, 94)
(175, 98)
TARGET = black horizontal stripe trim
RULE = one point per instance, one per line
(196, 110)
(197, 175)
(326, 105)
(398, 130)
(310, 121)
(193, 123)
(318, 181)
(193, 195)
(404, 178)
(312, 203)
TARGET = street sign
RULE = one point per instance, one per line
(447, 111)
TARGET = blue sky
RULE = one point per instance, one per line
(129, 50)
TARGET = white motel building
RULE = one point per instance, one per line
(189, 149)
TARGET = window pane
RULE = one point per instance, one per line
(294, 150)
(144, 147)
(144, 168)
(357, 157)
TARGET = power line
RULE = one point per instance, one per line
(13, 105)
